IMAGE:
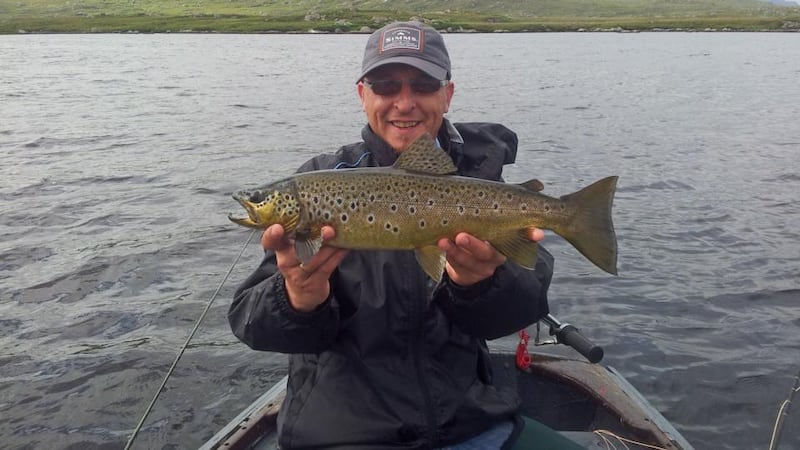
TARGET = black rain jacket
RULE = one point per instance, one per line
(391, 360)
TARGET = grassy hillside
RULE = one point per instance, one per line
(354, 16)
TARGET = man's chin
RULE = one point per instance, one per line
(401, 140)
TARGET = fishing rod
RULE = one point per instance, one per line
(783, 413)
(186, 344)
(570, 335)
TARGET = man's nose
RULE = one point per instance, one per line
(406, 99)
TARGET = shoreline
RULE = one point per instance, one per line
(143, 24)
(315, 32)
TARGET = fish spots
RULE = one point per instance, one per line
(392, 228)
(447, 190)
(388, 204)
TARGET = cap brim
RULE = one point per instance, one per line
(430, 68)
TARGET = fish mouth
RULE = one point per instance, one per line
(247, 200)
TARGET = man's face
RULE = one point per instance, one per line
(400, 118)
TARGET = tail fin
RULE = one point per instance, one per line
(591, 230)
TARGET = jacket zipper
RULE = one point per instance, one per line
(419, 300)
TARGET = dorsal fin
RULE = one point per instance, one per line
(422, 156)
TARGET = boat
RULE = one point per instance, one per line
(590, 403)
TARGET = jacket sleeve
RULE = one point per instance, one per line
(261, 316)
(507, 302)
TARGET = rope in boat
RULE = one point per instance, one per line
(186, 344)
(622, 440)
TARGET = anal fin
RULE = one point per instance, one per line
(519, 248)
(432, 261)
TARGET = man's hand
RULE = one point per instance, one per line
(470, 260)
(307, 285)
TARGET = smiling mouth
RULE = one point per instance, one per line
(405, 124)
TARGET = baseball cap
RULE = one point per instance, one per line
(410, 43)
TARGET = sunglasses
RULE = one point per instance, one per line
(418, 86)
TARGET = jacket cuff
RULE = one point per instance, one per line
(298, 317)
(470, 292)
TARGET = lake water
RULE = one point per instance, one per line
(119, 153)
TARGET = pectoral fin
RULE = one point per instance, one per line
(432, 261)
(307, 244)
(519, 248)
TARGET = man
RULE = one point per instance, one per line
(381, 356)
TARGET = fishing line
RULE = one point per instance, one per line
(186, 344)
(783, 412)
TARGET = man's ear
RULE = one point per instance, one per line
(449, 90)
(360, 90)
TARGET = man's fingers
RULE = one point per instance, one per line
(327, 233)
(469, 259)
(323, 263)
(328, 262)
(274, 238)
(477, 249)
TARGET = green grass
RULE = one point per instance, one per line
(258, 16)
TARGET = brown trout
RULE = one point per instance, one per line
(417, 201)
